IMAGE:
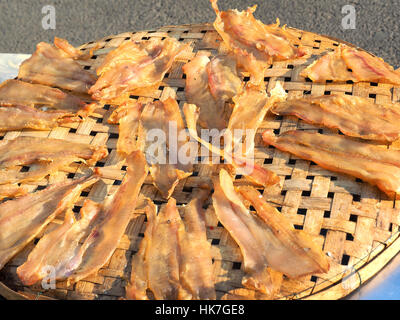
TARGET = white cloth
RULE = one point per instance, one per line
(9, 64)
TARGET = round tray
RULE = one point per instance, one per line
(339, 210)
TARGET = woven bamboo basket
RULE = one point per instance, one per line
(335, 208)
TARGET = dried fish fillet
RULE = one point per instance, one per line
(196, 270)
(19, 93)
(245, 166)
(163, 118)
(374, 164)
(174, 259)
(163, 255)
(354, 116)
(58, 248)
(12, 191)
(39, 171)
(346, 63)
(55, 66)
(249, 232)
(198, 91)
(133, 65)
(22, 219)
(138, 285)
(127, 116)
(223, 80)
(25, 150)
(254, 44)
(47, 155)
(329, 67)
(251, 106)
(26, 117)
(112, 218)
(366, 67)
(289, 251)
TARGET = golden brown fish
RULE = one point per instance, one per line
(19, 93)
(289, 251)
(127, 116)
(167, 168)
(133, 65)
(22, 219)
(254, 45)
(14, 118)
(209, 84)
(250, 233)
(354, 116)
(245, 166)
(374, 164)
(112, 218)
(346, 63)
(55, 66)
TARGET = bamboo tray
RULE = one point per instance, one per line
(339, 210)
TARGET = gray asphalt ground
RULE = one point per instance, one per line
(81, 21)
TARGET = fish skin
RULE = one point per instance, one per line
(164, 116)
(58, 248)
(55, 66)
(352, 115)
(255, 45)
(13, 118)
(163, 255)
(138, 284)
(251, 170)
(292, 251)
(25, 150)
(134, 65)
(350, 64)
(113, 217)
(371, 163)
(174, 259)
(16, 216)
(196, 267)
(20, 93)
(251, 235)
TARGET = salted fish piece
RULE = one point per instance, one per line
(174, 259)
(163, 255)
(196, 266)
(331, 66)
(127, 116)
(290, 251)
(346, 63)
(55, 66)
(374, 164)
(197, 91)
(352, 115)
(254, 44)
(58, 248)
(25, 150)
(112, 219)
(250, 108)
(20, 93)
(139, 283)
(249, 232)
(166, 169)
(13, 118)
(22, 219)
(134, 65)
(250, 169)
